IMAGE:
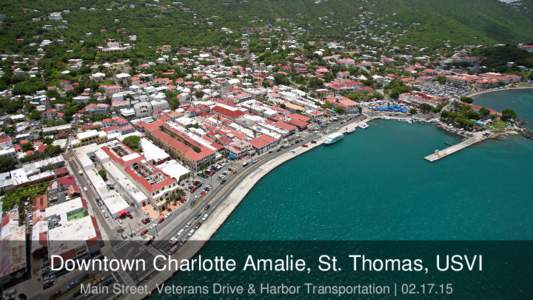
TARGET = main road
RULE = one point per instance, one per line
(221, 192)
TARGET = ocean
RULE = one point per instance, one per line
(374, 193)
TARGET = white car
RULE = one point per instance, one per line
(205, 217)
(191, 232)
(180, 232)
(173, 240)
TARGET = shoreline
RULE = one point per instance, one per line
(234, 199)
(494, 90)
(239, 193)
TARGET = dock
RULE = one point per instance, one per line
(439, 154)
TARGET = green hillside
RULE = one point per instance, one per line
(198, 22)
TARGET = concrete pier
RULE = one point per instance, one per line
(439, 154)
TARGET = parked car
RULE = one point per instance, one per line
(173, 240)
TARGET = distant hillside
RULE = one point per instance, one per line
(198, 22)
(457, 20)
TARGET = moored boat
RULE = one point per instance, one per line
(363, 125)
(333, 138)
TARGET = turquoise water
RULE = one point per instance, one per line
(520, 101)
(375, 185)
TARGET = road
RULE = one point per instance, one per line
(116, 247)
(89, 193)
(220, 193)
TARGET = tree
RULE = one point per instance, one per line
(27, 147)
(357, 95)
(95, 117)
(52, 150)
(103, 174)
(266, 83)
(10, 106)
(299, 79)
(441, 79)
(281, 79)
(508, 115)
(133, 142)
(199, 94)
(484, 112)
(315, 83)
(474, 115)
(413, 111)
(339, 110)
(172, 98)
(29, 86)
(397, 87)
(467, 99)
(7, 163)
(35, 115)
(425, 108)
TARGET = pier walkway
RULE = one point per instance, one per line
(439, 154)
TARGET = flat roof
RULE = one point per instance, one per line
(152, 152)
(174, 169)
(111, 199)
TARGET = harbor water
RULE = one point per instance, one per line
(375, 185)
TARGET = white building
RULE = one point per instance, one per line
(55, 16)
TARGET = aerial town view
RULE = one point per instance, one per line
(138, 129)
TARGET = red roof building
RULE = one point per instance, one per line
(228, 111)
(343, 103)
(178, 144)
(263, 143)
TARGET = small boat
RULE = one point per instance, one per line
(350, 130)
(363, 125)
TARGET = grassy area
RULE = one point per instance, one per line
(15, 197)
(498, 125)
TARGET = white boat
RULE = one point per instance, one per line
(363, 125)
(350, 130)
(333, 138)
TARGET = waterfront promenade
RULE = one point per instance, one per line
(231, 197)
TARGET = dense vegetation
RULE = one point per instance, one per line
(16, 196)
(198, 22)
(133, 142)
(498, 58)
